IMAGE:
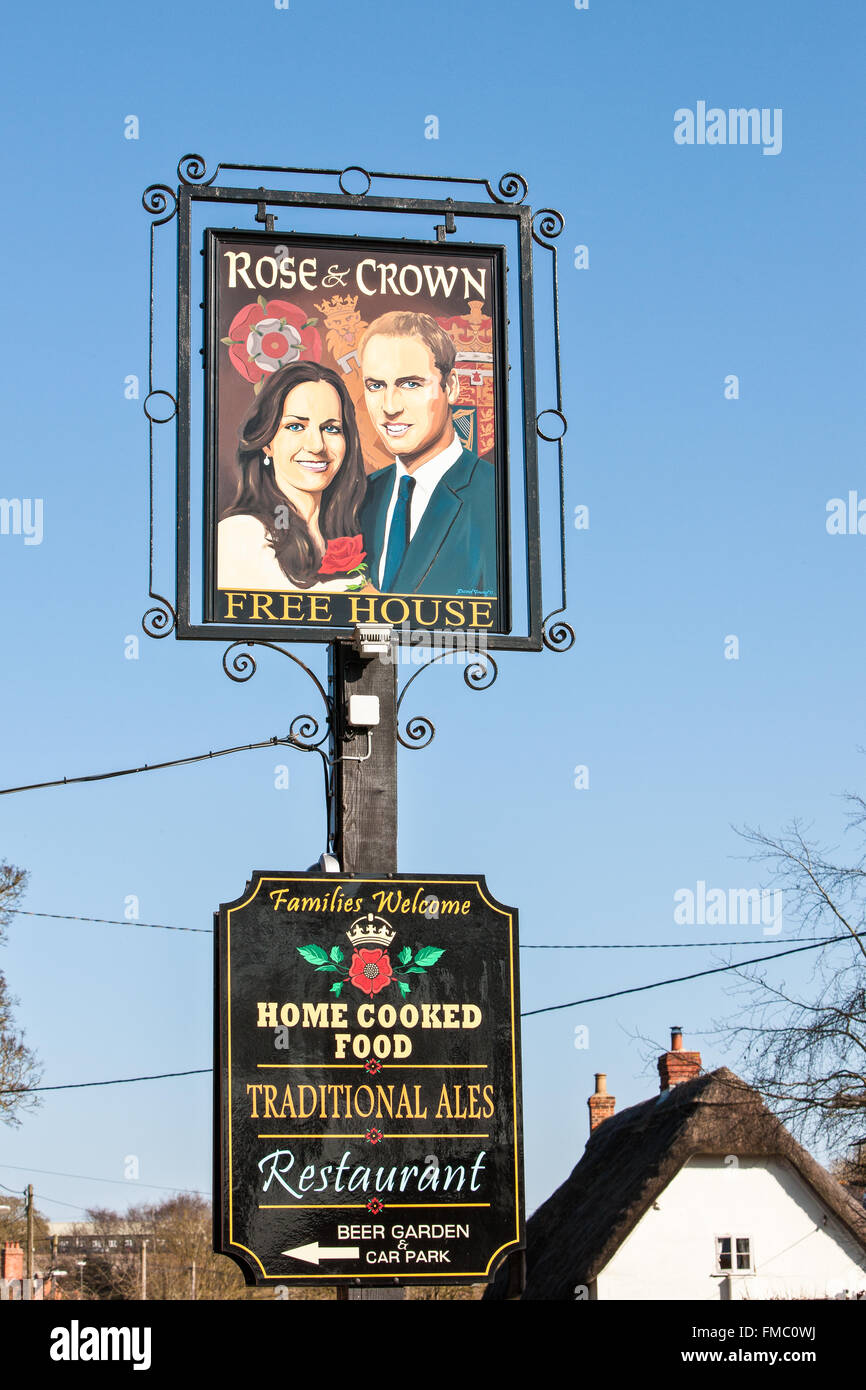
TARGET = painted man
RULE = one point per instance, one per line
(429, 518)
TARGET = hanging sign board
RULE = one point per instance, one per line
(356, 434)
(367, 1080)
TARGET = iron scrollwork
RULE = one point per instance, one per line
(478, 674)
(547, 225)
(163, 203)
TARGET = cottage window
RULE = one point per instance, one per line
(733, 1255)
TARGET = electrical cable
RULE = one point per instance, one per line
(106, 921)
(527, 1013)
(119, 1081)
(524, 945)
(86, 1177)
(153, 767)
(681, 979)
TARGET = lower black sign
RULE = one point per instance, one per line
(367, 1080)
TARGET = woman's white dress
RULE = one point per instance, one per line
(246, 560)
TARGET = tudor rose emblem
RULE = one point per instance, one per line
(371, 969)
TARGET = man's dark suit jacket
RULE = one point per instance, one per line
(453, 550)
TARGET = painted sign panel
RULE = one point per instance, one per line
(356, 442)
(367, 1080)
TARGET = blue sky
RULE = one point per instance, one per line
(707, 519)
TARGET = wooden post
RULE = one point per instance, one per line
(365, 800)
(365, 792)
(30, 1234)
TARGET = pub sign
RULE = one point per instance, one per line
(367, 1080)
(356, 449)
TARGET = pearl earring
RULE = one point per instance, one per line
(267, 461)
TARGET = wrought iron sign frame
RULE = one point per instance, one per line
(506, 202)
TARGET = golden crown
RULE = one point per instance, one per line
(371, 931)
(338, 304)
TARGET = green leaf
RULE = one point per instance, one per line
(403, 987)
(428, 955)
(336, 953)
(329, 966)
(415, 970)
(335, 988)
(261, 300)
(314, 954)
(310, 323)
(228, 341)
(405, 955)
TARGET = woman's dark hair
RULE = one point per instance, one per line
(259, 495)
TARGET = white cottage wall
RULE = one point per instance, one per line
(798, 1248)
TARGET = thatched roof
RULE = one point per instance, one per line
(631, 1158)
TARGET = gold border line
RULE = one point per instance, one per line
(516, 1138)
(302, 622)
(364, 1136)
(362, 1206)
(392, 883)
(500, 911)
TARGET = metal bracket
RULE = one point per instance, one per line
(449, 226)
(353, 757)
(262, 215)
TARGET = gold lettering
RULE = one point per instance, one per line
(404, 611)
(315, 1015)
(476, 619)
(261, 601)
(443, 1109)
(418, 603)
(355, 600)
(294, 617)
(315, 601)
(302, 1113)
(231, 599)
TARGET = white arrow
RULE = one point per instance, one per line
(313, 1254)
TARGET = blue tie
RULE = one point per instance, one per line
(398, 536)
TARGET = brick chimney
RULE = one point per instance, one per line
(11, 1261)
(601, 1105)
(677, 1066)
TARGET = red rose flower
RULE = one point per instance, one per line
(374, 1135)
(372, 1067)
(370, 970)
(343, 554)
(375, 1206)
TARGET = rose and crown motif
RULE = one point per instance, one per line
(371, 969)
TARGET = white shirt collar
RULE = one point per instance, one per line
(429, 474)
